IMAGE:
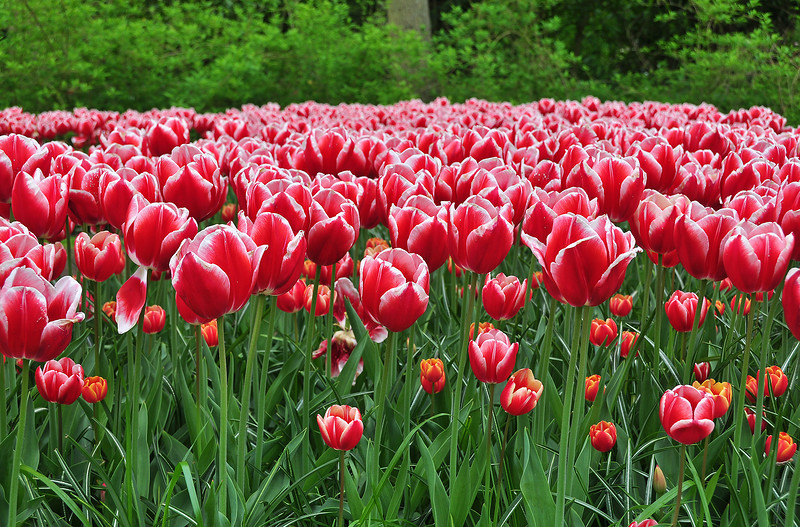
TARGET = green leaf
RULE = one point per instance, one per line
(539, 504)
(436, 489)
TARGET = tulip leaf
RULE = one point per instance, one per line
(58, 491)
(436, 489)
(352, 498)
(699, 484)
(539, 503)
(30, 448)
(142, 469)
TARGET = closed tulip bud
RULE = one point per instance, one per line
(492, 356)
(521, 393)
(99, 257)
(621, 305)
(293, 300)
(659, 481)
(323, 299)
(228, 212)
(701, 371)
(592, 387)
(644, 523)
(503, 296)
(720, 391)
(603, 436)
(725, 285)
(681, 308)
(61, 381)
(627, 341)
(786, 448)
(94, 389)
(602, 332)
(720, 307)
(778, 382)
(154, 319)
(210, 333)
(341, 428)
(432, 375)
(687, 414)
(110, 309)
(740, 304)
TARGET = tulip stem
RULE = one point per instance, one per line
(380, 402)
(695, 333)
(60, 420)
(3, 410)
(329, 326)
(659, 316)
(261, 399)
(488, 475)
(68, 246)
(680, 486)
(15, 465)
(769, 313)
(307, 373)
(222, 465)
(244, 415)
(341, 488)
(98, 313)
(500, 469)
(542, 370)
(198, 335)
(739, 414)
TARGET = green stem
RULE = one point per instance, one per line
(68, 247)
(693, 335)
(488, 474)
(3, 409)
(739, 417)
(307, 374)
(15, 465)
(244, 415)
(410, 386)
(222, 464)
(60, 414)
(769, 313)
(705, 458)
(542, 369)
(329, 324)
(198, 358)
(659, 316)
(500, 470)
(341, 489)
(680, 486)
(262, 391)
(380, 403)
(98, 314)
(132, 430)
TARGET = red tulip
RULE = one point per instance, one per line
(323, 299)
(289, 198)
(213, 272)
(720, 391)
(153, 232)
(94, 389)
(61, 381)
(279, 255)
(790, 298)
(492, 356)
(701, 371)
(40, 203)
(627, 341)
(521, 393)
(117, 190)
(197, 185)
(602, 332)
(545, 207)
(740, 305)
(503, 296)
(616, 183)
(584, 261)
(165, 135)
(603, 436)
(700, 236)
(36, 318)
(479, 234)
(228, 212)
(432, 375)
(756, 256)
(394, 288)
(15, 150)
(293, 300)
(681, 309)
(100, 257)
(778, 383)
(110, 309)
(84, 194)
(420, 227)
(333, 227)
(210, 333)
(751, 420)
(687, 414)
(341, 428)
(644, 523)
(786, 448)
(592, 387)
(154, 319)
(620, 305)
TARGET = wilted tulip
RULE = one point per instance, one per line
(154, 319)
(687, 414)
(701, 371)
(61, 381)
(343, 344)
(720, 391)
(786, 448)
(210, 333)
(503, 296)
(602, 332)
(521, 393)
(341, 428)
(592, 387)
(778, 382)
(681, 310)
(94, 389)
(603, 436)
(492, 356)
(99, 257)
(432, 375)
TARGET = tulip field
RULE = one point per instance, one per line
(559, 313)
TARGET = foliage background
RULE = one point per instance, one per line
(217, 54)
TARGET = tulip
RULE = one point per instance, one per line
(480, 234)
(343, 344)
(323, 299)
(432, 375)
(197, 185)
(341, 428)
(483, 327)
(701, 371)
(213, 272)
(740, 305)
(603, 436)
(164, 136)
(61, 381)
(99, 257)
(687, 414)
(602, 332)
(420, 226)
(547, 206)
(778, 382)
(154, 319)
(659, 481)
(584, 261)
(790, 299)
(492, 356)
(153, 232)
(592, 387)
(40, 203)
(720, 307)
(756, 256)
(786, 448)
(521, 393)
(620, 305)
(627, 341)
(228, 212)
(681, 309)
(720, 391)
(15, 150)
(210, 333)
(536, 281)
(503, 296)
(644, 523)
(94, 389)
(751, 420)
(280, 252)
(84, 194)
(394, 288)
(333, 227)
(117, 190)
(617, 184)
(36, 318)
(700, 236)
(293, 300)
(453, 268)
(110, 309)
(376, 246)
(653, 223)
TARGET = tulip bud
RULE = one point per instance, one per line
(100, 257)
(503, 296)
(154, 319)
(681, 308)
(740, 304)
(61, 381)
(701, 371)
(94, 389)
(341, 428)
(492, 356)
(228, 212)
(603, 436)
(210, 333)
(725, 285)
(659, 481)
(786, 448)
(323, 299)
(620, 305)
(687, 414)
(537, 280)
(627, 342)
(592, 386)
(602, 332)
(432, 375)
(521, 393)
(751, 420)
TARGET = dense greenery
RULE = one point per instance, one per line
(216, 54)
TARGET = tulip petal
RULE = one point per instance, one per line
(131, 298)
